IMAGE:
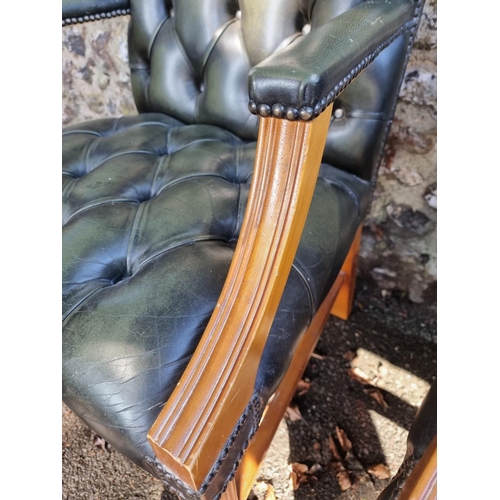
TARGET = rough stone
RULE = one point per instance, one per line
(427, 30)
(96, 75)
(75, 44)
(430, 195)
(406, 218)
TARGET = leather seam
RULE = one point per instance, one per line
(143, 124)
(311, 10)
(199, 141)
(90, 147)
(217, 35)
(189, 177)
(80, 131)
(206, 57)
(163, 159)
(128, 265)
(155, 35)
(308, 290)
(116, 126)
(237, 163)
(175, 247)
(68, 188)
(347, 190)
(123, 153)
(237, 224)
(183, 51)
(160, 162)
(104, 202)
(66, 316)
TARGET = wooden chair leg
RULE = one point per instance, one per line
(342, 306)
(254, 455)
(422, 482)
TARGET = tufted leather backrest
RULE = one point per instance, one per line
(190, 59)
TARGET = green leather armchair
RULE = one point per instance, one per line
(207, 238)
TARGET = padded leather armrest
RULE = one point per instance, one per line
(74, 11)
(299, 81)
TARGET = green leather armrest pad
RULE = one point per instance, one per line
(318, 66)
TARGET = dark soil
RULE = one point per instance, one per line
(400, 332)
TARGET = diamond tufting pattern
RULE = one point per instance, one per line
(153, 204)
(152, 210)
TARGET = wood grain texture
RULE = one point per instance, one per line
(249, 467)
(201, 413)
(421, 484)
(342, 306)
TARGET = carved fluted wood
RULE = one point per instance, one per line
(217, 385)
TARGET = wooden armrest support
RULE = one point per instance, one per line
(196, 427)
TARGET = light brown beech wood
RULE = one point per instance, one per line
(342, 306)
(421, 484)
(249, 466)
(217, 385)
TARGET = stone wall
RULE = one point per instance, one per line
(96, 76)
(399, 240)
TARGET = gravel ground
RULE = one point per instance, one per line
(389, 341)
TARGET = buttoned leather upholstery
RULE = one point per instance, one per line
(204, 78)
(152, 210)
(153, 204)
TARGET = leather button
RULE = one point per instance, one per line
(338, 113)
